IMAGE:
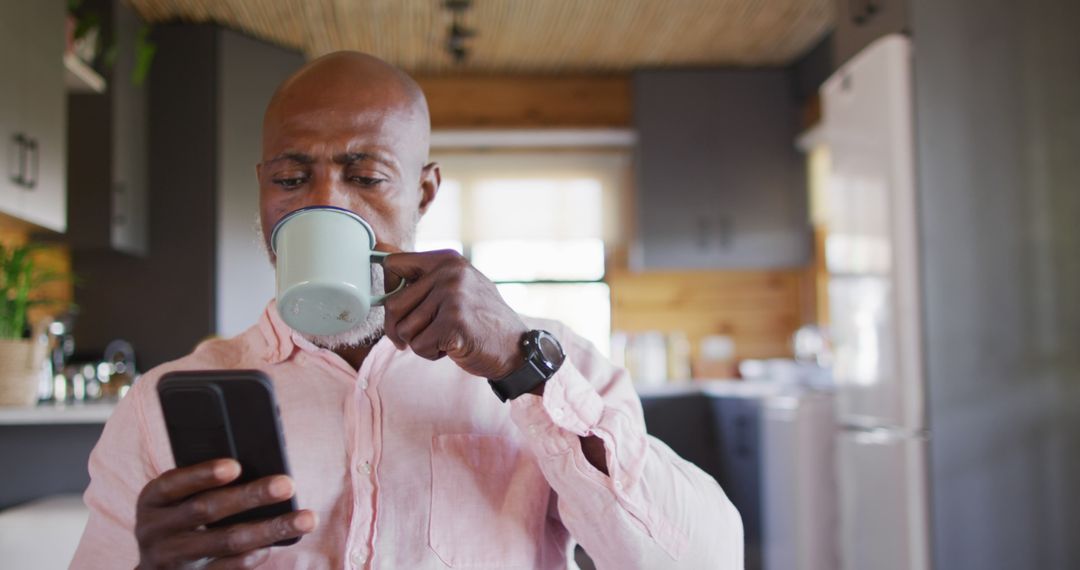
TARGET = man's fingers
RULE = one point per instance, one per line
(442, 337)
(242, 538)
(239, 540)
(412, 265)
(401, 305)
(241, 561)
(427, 343)
(215, 505)
(411, 324)
(178, 484)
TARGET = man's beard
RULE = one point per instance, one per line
(368, 331)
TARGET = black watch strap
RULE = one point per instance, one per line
(521, 381)
(537, 369)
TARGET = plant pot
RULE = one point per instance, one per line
(20, 371)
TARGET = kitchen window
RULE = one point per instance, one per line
(538, 225)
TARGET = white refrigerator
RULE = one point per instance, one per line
(872, 256)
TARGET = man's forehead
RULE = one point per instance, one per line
(344, 96)
(347, 102)
(340, 131)
(353, 113)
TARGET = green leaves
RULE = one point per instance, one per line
(19, 277)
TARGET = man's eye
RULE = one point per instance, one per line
(292, 182)
(366, 180)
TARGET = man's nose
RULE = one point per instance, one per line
(326, 189)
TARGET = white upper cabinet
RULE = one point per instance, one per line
(33, 112)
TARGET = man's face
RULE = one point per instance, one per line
(359, 154)
(355, 144)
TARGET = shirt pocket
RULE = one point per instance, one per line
(488, 502)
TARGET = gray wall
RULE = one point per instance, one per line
(998, 119)
(249, 71)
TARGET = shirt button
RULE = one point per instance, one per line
(359, 557)
(618, 485)
(557, 413)
(534, 429)
(364, 468)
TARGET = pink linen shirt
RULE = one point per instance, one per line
(414, 464)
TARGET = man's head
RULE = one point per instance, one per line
(352, 131)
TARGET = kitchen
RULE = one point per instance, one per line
(884, 263)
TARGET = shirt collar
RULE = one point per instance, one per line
(277, 334)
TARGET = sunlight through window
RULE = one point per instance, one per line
(539, 237)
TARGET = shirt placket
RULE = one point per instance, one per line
(364, 460)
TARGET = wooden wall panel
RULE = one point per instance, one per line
(477, 101)
(760, 310)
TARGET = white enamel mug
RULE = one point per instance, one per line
(324, 256)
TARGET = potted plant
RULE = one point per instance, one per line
(21, 355)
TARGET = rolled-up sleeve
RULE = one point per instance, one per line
(653, 509)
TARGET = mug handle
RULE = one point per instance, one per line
(378, 257)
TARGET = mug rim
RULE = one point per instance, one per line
(306, 209)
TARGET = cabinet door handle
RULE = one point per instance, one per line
(35, 162)
(743, 445)
(18, 149)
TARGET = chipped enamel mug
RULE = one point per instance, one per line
(324, 256)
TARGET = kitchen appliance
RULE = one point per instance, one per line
(798, 485)
(769, 445)
(871, 254)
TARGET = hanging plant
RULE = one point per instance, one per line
(145, 49)
(86, 34)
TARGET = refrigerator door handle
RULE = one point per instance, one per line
(882, 435)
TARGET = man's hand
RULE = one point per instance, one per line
(173, 507)
(450, 309)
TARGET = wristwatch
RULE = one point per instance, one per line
(543, 357)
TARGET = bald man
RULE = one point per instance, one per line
(402, 456)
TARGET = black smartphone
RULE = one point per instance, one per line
(215, 414)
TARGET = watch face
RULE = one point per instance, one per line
(550, 350)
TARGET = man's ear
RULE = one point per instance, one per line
(430, 179)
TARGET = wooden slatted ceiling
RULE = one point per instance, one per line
(527, 36)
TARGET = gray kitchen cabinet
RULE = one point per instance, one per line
(720, 184)
(32, 112)
(108, 171)
(129, 156)
(10, 101)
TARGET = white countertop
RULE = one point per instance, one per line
(718, 388)
(57, 414)
(98, 412)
